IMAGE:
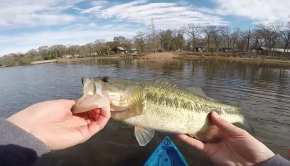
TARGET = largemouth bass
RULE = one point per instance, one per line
(157, 106)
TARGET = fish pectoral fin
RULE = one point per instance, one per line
(199, 92)
(143, 135)
(134, 93)
(136, 98)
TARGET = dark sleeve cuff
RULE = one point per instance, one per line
(17, 146)
(277, 160)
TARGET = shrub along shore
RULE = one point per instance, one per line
(174, 56)
(170, 56)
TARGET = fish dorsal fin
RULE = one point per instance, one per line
(161, 82)
(143, 135)
(199, 92)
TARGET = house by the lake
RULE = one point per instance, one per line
(133, 51)
(67, 56)
(118, 50)
(199, 49)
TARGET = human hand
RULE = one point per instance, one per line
(237, 147)
(54, 124)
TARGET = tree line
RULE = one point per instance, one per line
(189, 37)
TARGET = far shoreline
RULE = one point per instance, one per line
(178, 57)
(239, 59)
(191, 57)
(61, 60)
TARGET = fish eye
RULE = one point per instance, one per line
(105, 79)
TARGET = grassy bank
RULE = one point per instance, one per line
(235, 57)
(192, 56)
(155, 57)
(86, 58)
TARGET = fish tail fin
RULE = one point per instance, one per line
(248, 127)
(209, 133)
(245, 125)
(212, 134)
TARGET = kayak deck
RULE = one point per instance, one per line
(166, 154)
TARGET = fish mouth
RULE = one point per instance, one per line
(89, 102)
(118, 101)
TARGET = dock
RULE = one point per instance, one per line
(127, 56)
(44, 62)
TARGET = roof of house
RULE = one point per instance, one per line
(121, 48)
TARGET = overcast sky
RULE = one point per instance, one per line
(26, 24)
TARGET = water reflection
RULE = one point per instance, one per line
(261, 89)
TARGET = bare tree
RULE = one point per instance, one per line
(152, 37)
(99, 43)
(57, 50)
(248, 40)
(207, 32)
(119, 41)
(285, 35)
(226, 36)
(152, 29)
(270, 33)
(140, 41)
(234, 37)
(90, 48)
(256, 39)
(193, 31)
(242, 40)
(215, 35)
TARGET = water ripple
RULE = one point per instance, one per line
(262, 90)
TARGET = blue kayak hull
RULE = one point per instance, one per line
(166, 154)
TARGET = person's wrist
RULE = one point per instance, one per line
(16, 123)
(266, 159)
(268, 155)
(23, 125)
(19, 123)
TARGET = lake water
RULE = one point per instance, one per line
(262, 91)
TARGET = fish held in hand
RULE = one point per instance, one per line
(159, 106)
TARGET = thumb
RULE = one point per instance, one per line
(226, 126)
